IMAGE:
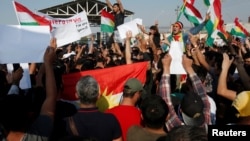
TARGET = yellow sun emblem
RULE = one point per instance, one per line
(107, 100)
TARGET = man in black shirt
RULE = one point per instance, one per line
(118, 11)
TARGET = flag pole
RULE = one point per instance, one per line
(181, 10)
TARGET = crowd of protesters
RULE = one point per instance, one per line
(214, 91)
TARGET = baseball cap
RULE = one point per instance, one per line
(192, 109)
(133, 84)
(242, 104)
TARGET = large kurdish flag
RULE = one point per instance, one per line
(107, 22)
(111, 81)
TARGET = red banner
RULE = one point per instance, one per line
(111, 79)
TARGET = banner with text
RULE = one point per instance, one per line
(80, 20)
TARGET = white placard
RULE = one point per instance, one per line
(129, 26)
(23, 44)
(66, 34)
(176, 52)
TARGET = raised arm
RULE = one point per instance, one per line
(48, 107)
(143, 29)
(244, 77)
(80, 50)
(247, 42)
(199, 55)
(91, 46)
(128, 48)
(165, 91)
(197, 29)
(197, 86)
(109, 4)
(142, 43)
(196, 82)
(39, 80)
(165, 40)
(15, 79)
(153, 46)
(194, 49)
(222, 82)
(120, 5)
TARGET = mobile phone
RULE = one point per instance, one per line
(16, 66)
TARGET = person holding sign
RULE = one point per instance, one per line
(17, 119)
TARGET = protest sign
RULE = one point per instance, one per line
(23, 44)
(129, 26)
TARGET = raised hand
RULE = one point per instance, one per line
(166, 61)
(50, 53)
(15, 76)
(53, 43)
(128, 35)
(226, 63)
(193, 39)
(187, 64)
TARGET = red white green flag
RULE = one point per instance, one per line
(239, 30)
(27, 17)
(214, 8)
(107, 21)
(191, 13)
(222, 33)
(111, 81)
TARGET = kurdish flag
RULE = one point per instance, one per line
(214, 8)
(111, 81)
(107, 21)
(222, 33)
(191, 13)
(239, 30)
(27, 17)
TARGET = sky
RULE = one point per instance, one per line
(163, 11)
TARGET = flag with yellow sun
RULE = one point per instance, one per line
(111, 81)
